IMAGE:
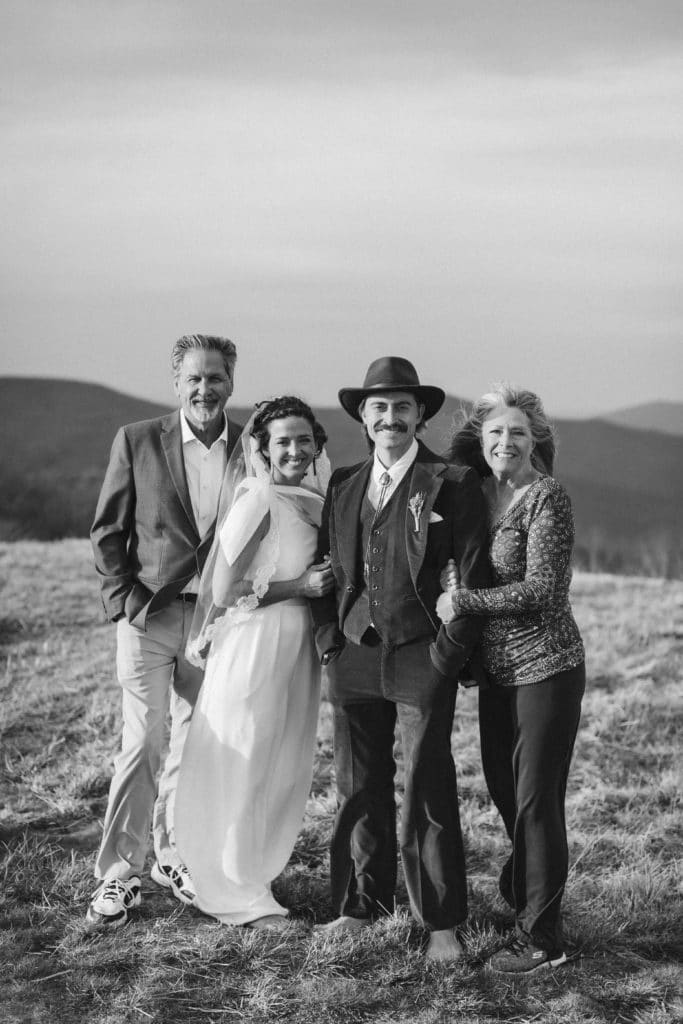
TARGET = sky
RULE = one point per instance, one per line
(492, 189)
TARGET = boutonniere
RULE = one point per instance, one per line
(416, 504)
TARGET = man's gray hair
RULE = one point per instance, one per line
(209, 343)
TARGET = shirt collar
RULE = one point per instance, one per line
(398, 468)
(188, 434)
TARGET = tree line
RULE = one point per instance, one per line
(51, 508)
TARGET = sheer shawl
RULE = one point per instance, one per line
(248, 494)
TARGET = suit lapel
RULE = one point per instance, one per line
(172, 443)
(348, 503)
(234, 435)
(205, 547)
(425, 484)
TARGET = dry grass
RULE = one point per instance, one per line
(59, 722)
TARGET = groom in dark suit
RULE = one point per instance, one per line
(153, 528)
(390, 526)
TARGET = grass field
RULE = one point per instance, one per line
(59, 728)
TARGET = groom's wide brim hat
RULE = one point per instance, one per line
(392, 373)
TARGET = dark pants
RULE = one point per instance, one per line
(527, 737)
(363, 851)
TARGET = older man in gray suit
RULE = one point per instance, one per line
(153, 528)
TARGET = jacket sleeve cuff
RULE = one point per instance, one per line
(328, 637)
(115, 607)
(447, 656)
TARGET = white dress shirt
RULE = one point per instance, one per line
(204, 470)
(396, 472)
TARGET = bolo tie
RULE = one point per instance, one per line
(384, 482)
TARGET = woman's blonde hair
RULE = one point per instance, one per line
(465, 444)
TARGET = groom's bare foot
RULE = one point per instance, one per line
(444, 947)
(269, 923)
(343, 925)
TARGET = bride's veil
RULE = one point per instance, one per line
(246, 474)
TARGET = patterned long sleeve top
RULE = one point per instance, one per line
(530, 633)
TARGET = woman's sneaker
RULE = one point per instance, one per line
(112, 901)
(520, 956)
(176, 878)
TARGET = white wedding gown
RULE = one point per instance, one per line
(248, 758)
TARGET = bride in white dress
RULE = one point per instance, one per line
(248, 758)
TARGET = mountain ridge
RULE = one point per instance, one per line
(663, 417)
(625, 483)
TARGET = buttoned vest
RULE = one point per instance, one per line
(388, 601)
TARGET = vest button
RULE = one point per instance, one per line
(375, 551)
(349, 590)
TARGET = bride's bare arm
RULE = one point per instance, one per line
(228, 583)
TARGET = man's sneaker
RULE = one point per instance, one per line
(112, 901)
(520, 956)
(176, 878)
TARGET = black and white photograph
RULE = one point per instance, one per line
(341, 546)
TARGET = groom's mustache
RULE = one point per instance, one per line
(393, 428)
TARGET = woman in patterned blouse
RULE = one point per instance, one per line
(533, 656)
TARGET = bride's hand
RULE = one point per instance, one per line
(318, 580)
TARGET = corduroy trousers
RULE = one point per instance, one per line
(364, 847)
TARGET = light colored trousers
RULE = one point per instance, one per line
(155, 676)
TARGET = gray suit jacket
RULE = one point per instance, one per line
(145, 538)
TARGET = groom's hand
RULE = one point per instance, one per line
(329, 642)
(318, 580)
(450, 577)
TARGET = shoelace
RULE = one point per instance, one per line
(116, 888)
(517, 945)
(179, 875)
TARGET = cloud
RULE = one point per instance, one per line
(395, 173)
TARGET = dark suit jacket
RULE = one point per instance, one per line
(454, 493)
(145, 539)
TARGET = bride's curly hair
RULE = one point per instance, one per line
(279, 409)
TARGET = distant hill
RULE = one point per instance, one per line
(626, 484)
(666, 417)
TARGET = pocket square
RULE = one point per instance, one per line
(434, 517)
